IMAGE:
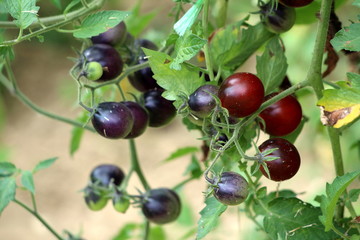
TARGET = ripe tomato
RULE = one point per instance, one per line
(241, 94)
(282, 117)
(288, 163)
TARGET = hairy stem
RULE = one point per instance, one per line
(55, 22)
(205, 24)
(37, 215)
(136, 166)
(315, 78)
(12, 88)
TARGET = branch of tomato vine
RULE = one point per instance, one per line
(55, 22)
(206, 47)
(246, 121)
(136, 166)
(36, 215)
(315, 77)
(12, 87)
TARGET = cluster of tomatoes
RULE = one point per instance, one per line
(102, 62)
(241, 94)
(159, 205)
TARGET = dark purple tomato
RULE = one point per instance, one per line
(105, 174)
(112, 120)
(201, 102)
(107, 56)
(288, 163)
(161, 205)
(94, 200)
(143, 80)
(113, 36)
(296, 3)
(161, 111)
(232, 189)
(241, 94)
(282, 117)
(141, 119)
(278, 20)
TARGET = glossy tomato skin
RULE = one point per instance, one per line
(143, 80)
(161, 111)
(141, 119)
(112, 120)
(282, 117)
(107, 56)
(278, 20)
(241, 94)
(105, 174)
(161, 205)
(112, 36)
(232, 189)
(288, 163)
(201, 102)
(296, 3)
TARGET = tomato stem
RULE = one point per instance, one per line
(136, 166)
(205, 24)
(13, 88)
(54, 22)
(38, 216)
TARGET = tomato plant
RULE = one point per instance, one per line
(227, 71)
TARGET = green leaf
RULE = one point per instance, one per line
(175, 82)
(181, 152)
(293, 219)
(23, 11)
(57, 3)
(232, 46)
(7, 191)
(341, 106)
(44, 164)
(185, 23)
(77, 133)
(186, 217)
(99, 22)
(271, 66)
(194, 168)
(137, 22)
(6, 51)
(157, 233)
(7, 169)
(27, 181)
(186, 48)
(333, 193)
(347, 38)
(72, 4)
(356, 3)
(354, 78)
(127, 232)
(354, 195)
(209, 216)
(259, 208)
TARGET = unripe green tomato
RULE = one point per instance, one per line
(94, 200)
(93, 71)
(120, 203)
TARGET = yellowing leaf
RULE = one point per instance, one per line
(341, 106)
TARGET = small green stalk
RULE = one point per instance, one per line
(37, 215)
(56, 22)
(205, 23)
(136, 166)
